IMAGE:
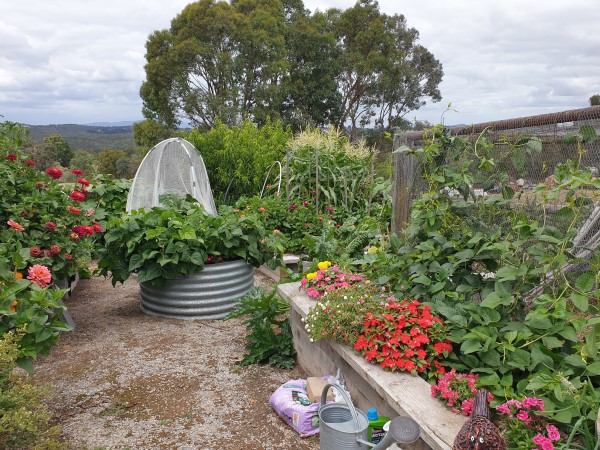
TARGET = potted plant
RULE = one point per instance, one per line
(189, 263)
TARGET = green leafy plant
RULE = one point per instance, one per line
(518, 291)
(24, 419)
(179, 238)
(33, 311)
(238, 158)
(270, 336)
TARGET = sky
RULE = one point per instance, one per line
(82, 61)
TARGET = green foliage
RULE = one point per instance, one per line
(177, 239)
(48, 215)
(238, 158)
(274, 59)
(34, 312)
(270, 336)
(497, 277)
(24, 420)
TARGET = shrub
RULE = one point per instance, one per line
(24, 420)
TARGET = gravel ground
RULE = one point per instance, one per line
(125, 380)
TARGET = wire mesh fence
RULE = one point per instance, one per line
(549, 140)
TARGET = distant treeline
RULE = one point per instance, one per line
(87, 137)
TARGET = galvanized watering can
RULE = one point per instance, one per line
(344, 427)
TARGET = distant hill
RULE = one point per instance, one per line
(95, 137)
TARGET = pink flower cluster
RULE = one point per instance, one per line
(323, 281)
(523, 415)
(457, 390)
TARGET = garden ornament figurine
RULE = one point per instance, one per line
(479, 433)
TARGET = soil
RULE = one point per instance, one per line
(125, 380)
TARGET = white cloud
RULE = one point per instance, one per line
(81, 61)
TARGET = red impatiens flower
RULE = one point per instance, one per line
(77, 172)
(50, 226)
(77, 196)
(54, 172)
(15, 226)
(11, 156)
(394, 338)
(30, 163)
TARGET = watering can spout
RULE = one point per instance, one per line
(403, 430)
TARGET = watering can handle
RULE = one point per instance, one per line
(346, 398)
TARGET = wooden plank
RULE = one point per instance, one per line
(369, 384)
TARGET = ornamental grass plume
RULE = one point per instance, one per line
(39, 275)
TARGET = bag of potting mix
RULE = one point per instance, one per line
(290, 401)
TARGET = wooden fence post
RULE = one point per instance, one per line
(405, 172)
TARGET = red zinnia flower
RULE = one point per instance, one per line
(35, 252)
(83, 182)
(15, 226)
(11, 156)
(73, 210)
(55, 249)
(50, 226)
(68, 256)
(77, 196)
(30, 163)
(293, 206)
(77, 172)
(40, 185)
(54, 172)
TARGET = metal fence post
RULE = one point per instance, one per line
(405, 170)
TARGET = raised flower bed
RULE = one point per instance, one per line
(370, 386)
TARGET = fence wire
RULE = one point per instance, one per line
(555, 144)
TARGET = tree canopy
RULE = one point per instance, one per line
(273, 59)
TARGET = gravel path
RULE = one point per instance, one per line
(124, 380)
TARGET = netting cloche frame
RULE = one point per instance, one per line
(173, 166)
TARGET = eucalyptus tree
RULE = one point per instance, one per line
(274, 59)
(385, 73)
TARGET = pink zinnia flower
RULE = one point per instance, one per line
(40, 275)
(54, 172)
(15, 226)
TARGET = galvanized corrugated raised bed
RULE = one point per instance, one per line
(208, 294)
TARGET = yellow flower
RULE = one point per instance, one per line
(310, 276)
(323, 265)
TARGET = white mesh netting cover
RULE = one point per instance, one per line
(172, 166)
